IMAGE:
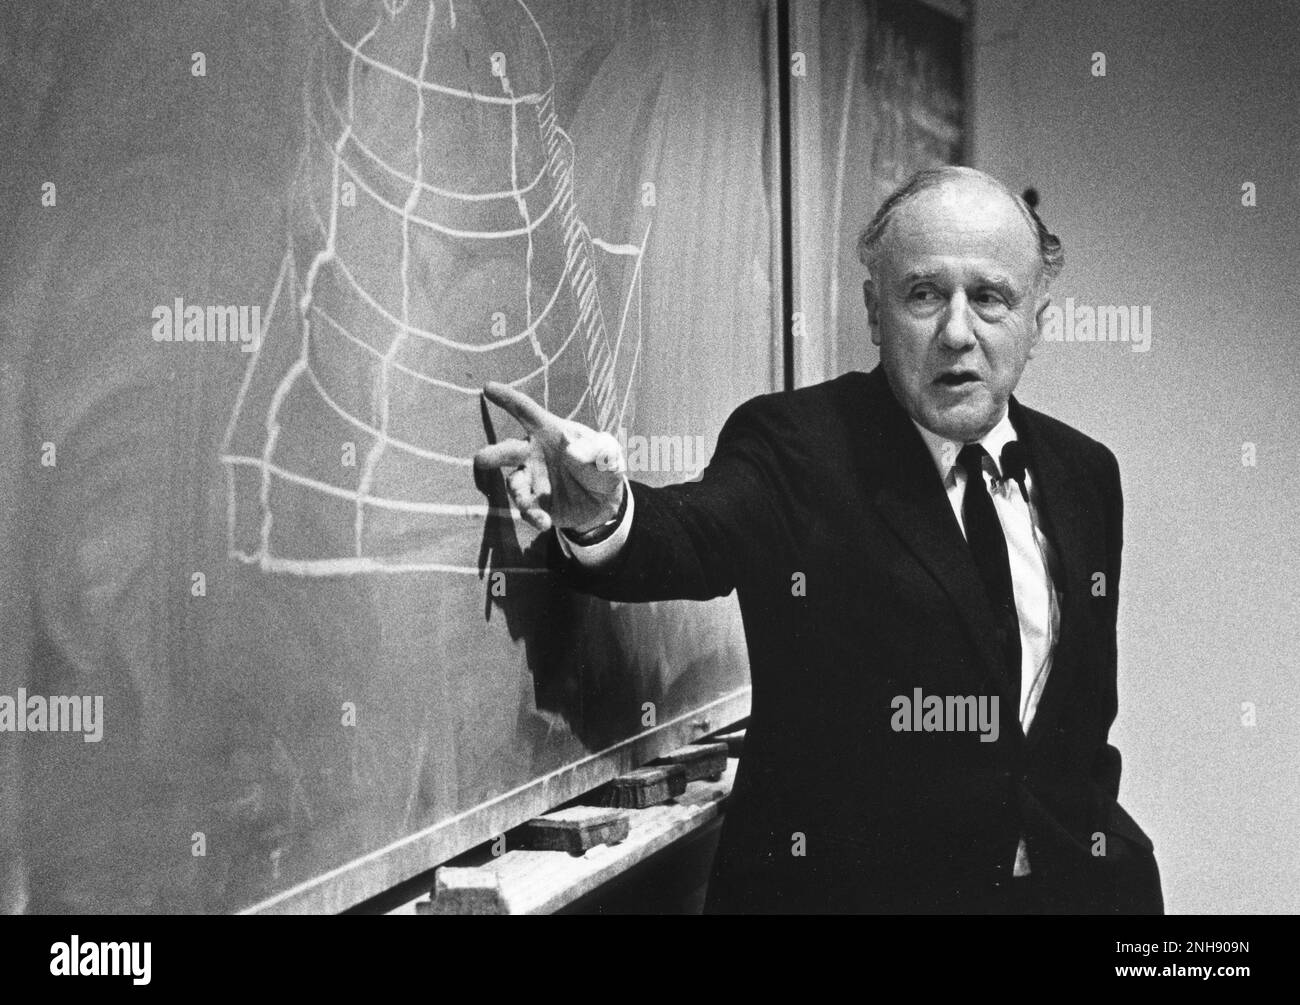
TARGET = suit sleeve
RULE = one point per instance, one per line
(1107, 764)
(694, 540)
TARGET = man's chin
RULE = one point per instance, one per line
(964, 421)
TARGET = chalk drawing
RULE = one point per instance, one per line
(434, 202)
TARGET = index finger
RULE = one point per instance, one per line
(531, 415)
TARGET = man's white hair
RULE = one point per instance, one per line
(1050, 252)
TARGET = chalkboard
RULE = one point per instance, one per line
(258, 260)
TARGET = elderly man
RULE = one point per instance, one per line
(928, 573)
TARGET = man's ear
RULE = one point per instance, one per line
(872, 300)
(1044, 302)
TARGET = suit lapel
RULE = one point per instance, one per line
(906, 489)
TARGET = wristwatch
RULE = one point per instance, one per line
(586, 538)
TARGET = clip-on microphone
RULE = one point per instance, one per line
(1013, 466)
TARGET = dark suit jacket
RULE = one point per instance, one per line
(832, 486)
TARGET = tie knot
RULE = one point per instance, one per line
(971, 459)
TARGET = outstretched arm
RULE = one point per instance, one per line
(687, 541)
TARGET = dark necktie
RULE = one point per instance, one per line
(988, 547)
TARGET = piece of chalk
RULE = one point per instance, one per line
(735, 742)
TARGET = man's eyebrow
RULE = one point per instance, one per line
(997, 280)
(1002, 284)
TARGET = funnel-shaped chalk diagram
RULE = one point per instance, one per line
(435, 243)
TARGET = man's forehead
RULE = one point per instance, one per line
(963, 206)
(967, 219)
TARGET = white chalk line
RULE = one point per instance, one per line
(633, 285)
(286, 268)
(380, 435)
(582, 401)
(438, 381)
(320, 567)
(423, 221)
(521, 203)
(384, 400)
(417, 332)
(426, 85)
(619, 249)
(402, 176)
(638, 285)
(270, 468)
(282, 391)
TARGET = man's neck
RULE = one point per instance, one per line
(943, 450)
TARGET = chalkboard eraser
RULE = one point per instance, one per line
(701, 760)
(465, 891)
(645, 787)
(575, 829)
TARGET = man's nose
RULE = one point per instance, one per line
(955, 331)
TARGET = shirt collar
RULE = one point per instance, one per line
(944, 451)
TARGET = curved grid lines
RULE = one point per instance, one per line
(568, 254)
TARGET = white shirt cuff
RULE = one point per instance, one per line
(593, 555)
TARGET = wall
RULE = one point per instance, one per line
(1140, 173)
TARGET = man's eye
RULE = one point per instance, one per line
(924, 295)
(989, 298)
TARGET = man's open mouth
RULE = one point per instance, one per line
(956, 379)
